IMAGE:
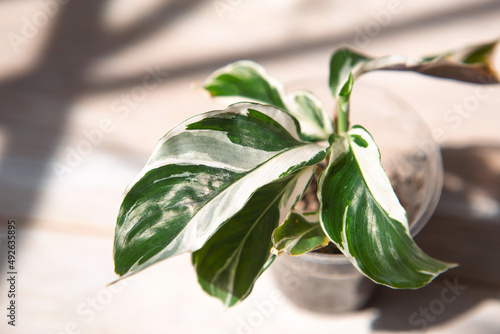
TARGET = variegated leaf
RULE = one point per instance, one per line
(234, 257)
(299, 234)
(247, 80)
(200, 175)
(315, 124)
(471, 64)
(361, 214)
(344, 64)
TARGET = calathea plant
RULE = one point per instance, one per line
(223, 185)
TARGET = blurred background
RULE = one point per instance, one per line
(88, 87)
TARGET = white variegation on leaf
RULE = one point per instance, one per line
(375, 177)
(476, 64)
(299, 234)
(219, 184)
(315, 124)
(231, 261)
(361, 214)
(201, 174)
(247, 80)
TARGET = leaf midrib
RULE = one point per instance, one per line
(239, 249)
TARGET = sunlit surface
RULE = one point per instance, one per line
(88, 87)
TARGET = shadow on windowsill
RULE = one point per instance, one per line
(464, 229)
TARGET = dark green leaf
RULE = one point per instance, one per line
(343, 64)
(299, 234)
(231, 261)
(471, 64)
(246, 80)
(201, 174)
(361, 214)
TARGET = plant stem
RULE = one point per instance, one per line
(343, 114)
(343, 106)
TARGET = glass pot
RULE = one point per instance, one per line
(329, 283)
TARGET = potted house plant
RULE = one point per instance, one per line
(224, 184)
(324, 280)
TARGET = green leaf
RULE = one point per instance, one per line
(200, 175)
(470, 64)
(249, 80)
(246, 79)
(315, 123)
(361, 214)
(478, 54)
(344, 63)
(299, 234)
(231, 261)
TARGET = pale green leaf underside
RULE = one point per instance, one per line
(299, 234)
(201, 174)
(231, 261)
(361, 214)
(471, 64)
(247, 80)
